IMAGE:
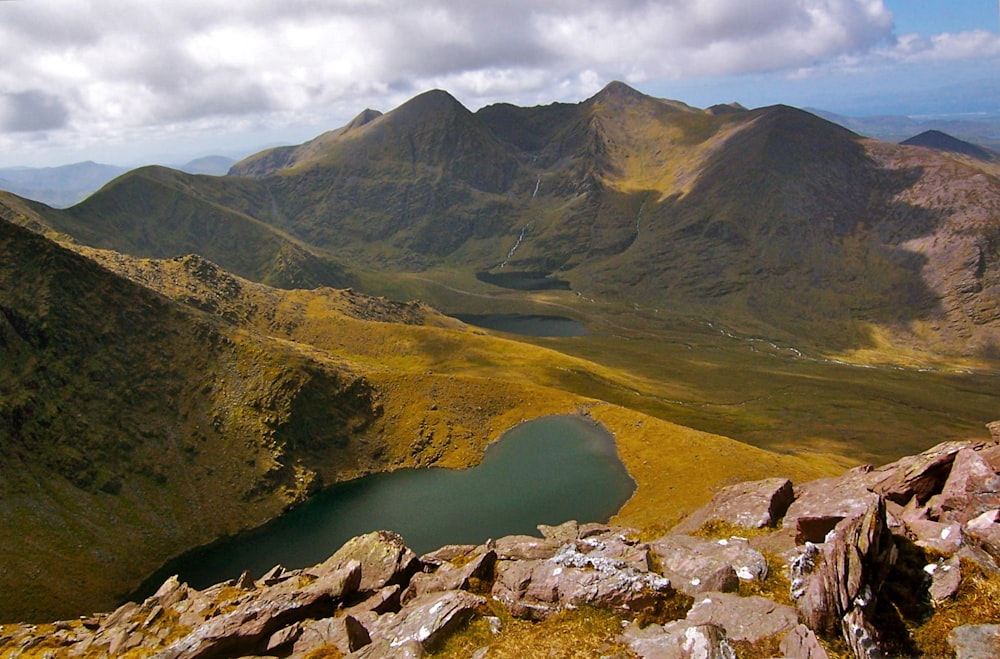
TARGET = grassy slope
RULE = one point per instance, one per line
(124, 418)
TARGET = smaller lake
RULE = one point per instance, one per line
(525, 324)
(545, 471)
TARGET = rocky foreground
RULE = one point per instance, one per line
(877, 562)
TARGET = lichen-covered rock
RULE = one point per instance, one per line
(537, 589)
(680, 639)
(384, 558)
(752, 505)
(975, 641)
(744, 618)
(696, 565)
(424, 621)
(525, 547)
(946, 577)
(847, 571)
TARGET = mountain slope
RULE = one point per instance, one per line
(123, 414)
(160, 212)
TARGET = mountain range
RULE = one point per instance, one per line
(772, 220)
(185, 356)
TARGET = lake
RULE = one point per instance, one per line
(545, 471)
(525, 324)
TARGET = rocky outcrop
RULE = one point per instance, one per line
(822, 560)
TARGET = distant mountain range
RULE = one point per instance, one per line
(66, 185)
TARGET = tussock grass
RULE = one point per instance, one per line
(977, 602)
(584, 632)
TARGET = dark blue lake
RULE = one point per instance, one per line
(545, 471)
(525, 324)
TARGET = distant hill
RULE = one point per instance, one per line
(209, 165)
(58, 186)
(895, 128)
(935, 139)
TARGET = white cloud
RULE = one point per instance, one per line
(106, 70)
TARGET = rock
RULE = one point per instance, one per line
(244, 628)
(537, 589)
(994, 429)
(696, 565)
(801, 643)
(940, 537)
(383, 557)
(946, 577)
(525, 547)
(245, 582)
(751, 505)
(616, 545)
(425, 620)
(566, 532)
(975, 641)
(846, 572)
(346, 633)
(680, 639)
(822, 504)
(448, 577)
(972, 488)
(744, 618)
(986, 538)
(917, 476)
(860, 634)
(984, 521)
(275, 575)
(384, 600)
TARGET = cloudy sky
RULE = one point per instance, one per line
(128, 82)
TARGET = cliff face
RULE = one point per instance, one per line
(897, 560)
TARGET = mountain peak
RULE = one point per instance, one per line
(367, 115)
(939, 141)
(618, 90)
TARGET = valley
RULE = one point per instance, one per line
(764, 293)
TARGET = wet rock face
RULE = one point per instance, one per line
(678, 595)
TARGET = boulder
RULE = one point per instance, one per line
(383, 556)
(449, 577)
(944, 538)
(975, 641)
(423, 621)
(346, 633)
(946, 577)
(748, 619)
(537, 589)
(680, 639)
(249, 624)
(566, 532)
(972, 488)
(525, 547)
(822, 504)
(696, 565)
(753, 505)
(831, 579)
(917, 476)
(801, 643)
